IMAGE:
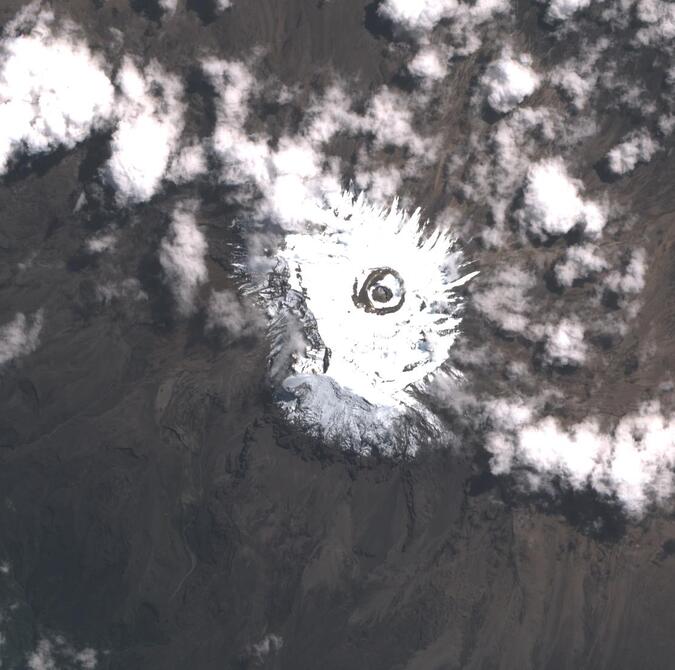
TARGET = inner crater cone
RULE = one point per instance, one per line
(382, 292)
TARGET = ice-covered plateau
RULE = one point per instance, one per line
(364, 306)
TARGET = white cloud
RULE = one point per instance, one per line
(182, 256)
(150, 110)
(126, 288)
(223, 4)
(100, 243)
(562, 10)
(382, 183)
(508, 81)
(429, 63)
(228, 313)
(504, 301)
(54, 653)
(552, 204)
(290, 178)
(564, 342)
(453, 25)
(20, 336)
(501, 163)
(87, 658)
(329, 114)
(632, 278)
(422, 15)
(418, 14)
(294, 176)
(42, 658)
(270, 644)
(638, 147)
(234, 83)
(390, 119)
(579, 263)
(666, 124)
(577, 86)
(578, 77)
(188, 164)
(659, 19)
(53, 90)
(169, 6)
(632, 463)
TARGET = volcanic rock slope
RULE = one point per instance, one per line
(154, 508)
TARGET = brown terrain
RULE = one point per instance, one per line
(153, 505)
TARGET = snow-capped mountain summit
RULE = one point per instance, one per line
(375, 299)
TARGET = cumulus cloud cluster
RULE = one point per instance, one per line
(632, 462)
(102, 242)
(443, 30)
(182, 257)
(564, 342)
(552, 204)
(638, 147)
(291, 178)
(658, 19)
(501, 162)
(579, 263)
(269, 644)
(150, 121)
(53, 90)
(504, 299)
(55, 652)
(429, 63)
(578, 76)
(293, 175)
(20, 336)
(508, 81)
(188, 163)
(226, 312)
(418, 14)
(563, 10)
(169, 6)
(421, 16)
(631, 279)
(129, 288)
